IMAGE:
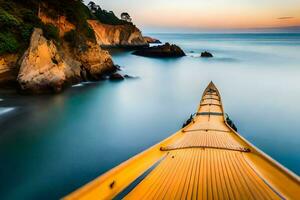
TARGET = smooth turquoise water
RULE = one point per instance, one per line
(50, 145)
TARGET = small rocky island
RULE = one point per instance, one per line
(206, 54)
(162, 51)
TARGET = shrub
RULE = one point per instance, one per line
(7, 20)
(50, 31)
(29, 16)
(76, 39)
(26, 31)
(109, 18)
(89, 32)
(8, 44)
(70, 37)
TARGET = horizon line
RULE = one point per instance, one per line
(265, 30)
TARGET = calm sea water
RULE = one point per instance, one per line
(51, 145)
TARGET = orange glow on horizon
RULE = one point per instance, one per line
(212, 14)
(221, 19)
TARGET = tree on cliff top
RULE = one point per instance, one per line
(106, 17)
(126, 17)
(93, 7)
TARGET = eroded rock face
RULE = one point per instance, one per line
(61, 23)
(117, 35)
(47, 68)
(44, 68)
(165, 51)
(8, 69)
(7, 62)
(96, 61)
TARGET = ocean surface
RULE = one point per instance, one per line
(52, 144)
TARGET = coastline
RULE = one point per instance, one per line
(65, 50)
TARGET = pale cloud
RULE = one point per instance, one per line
(283, 18)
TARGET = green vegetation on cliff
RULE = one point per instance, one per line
(104, 16)
(18, 18)
(15, 31)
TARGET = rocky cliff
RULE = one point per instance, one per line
(60, 22)
(61, 43)
(95, 61)
(8, 69)
(127, 35)
(44, 68)
(48, 68)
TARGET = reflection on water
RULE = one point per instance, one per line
(51, 145)
(5, 110)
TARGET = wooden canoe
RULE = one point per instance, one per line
(206, 159)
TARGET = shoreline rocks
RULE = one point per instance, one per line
(162, 51)
(116, 77)
(119, 77)
(206, 54)
(95, 61)
(151, 40)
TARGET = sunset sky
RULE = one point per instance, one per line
(199, 15)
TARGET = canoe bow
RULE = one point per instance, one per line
(206, 159)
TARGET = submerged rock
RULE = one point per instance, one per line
(129, 77)
(120, 77)
(206, 54)
(118, 67)
(166, 50)
(151, 40)
(116, 77)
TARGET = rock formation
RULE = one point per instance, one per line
(47, 68)
(151, 40)
(8, 69)
(116, 77)
(206, 54)
(43, 67)
(119, 77)
(166, 50)
(96, 61)
(61, 23)
(126, 35)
